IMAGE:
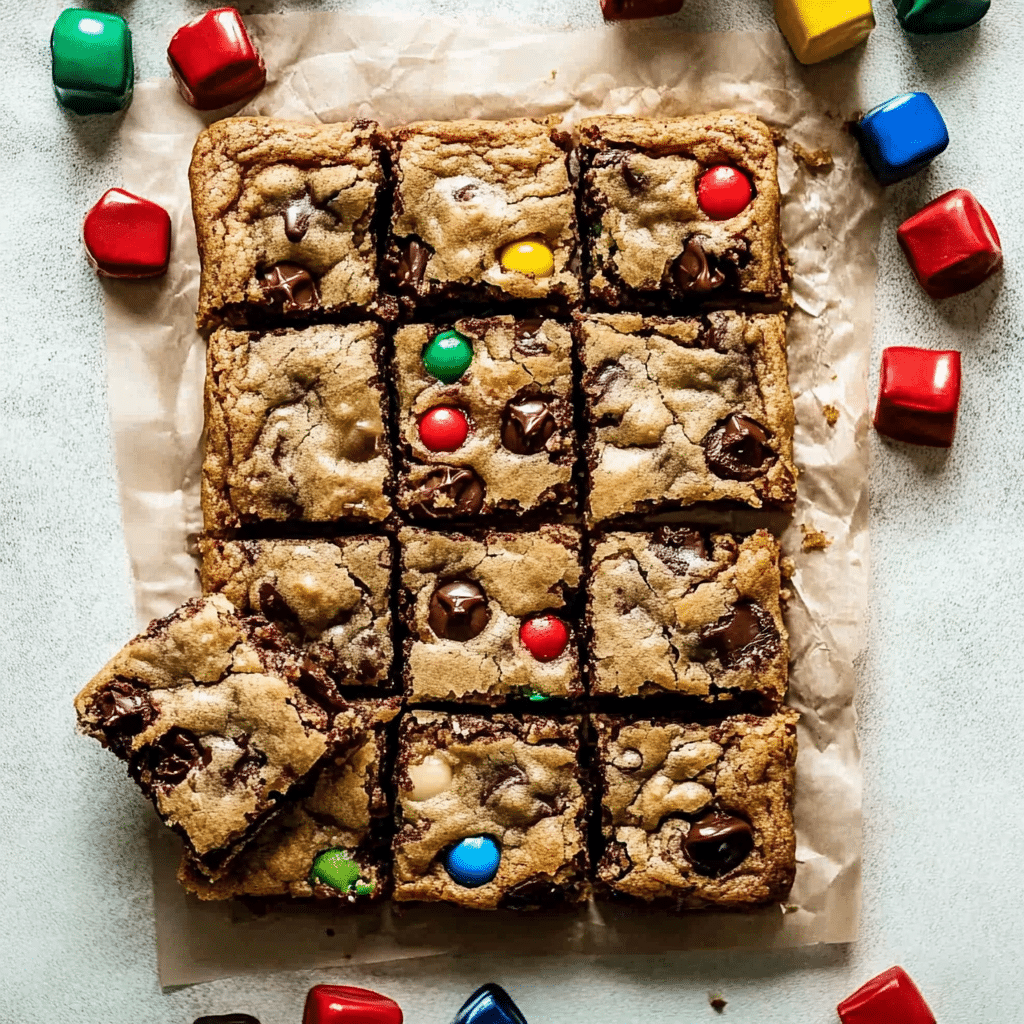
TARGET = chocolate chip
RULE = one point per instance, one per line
(173, 756)
(450, 491)
(123, 708)
(361, 441)
(678, 548)
(526, 424)
(695, 272)
(747, 635)
(274, 607)
(290, 287)
(317, 686)
(528, 339)
(458, 610)
(297, 215)
(718, 843)
(737, 449)
(532, 894)
(504, 775)
(412, 266)
(636, 181)
(462, 195)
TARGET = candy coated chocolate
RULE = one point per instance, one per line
(819, 29)
(918, 396)
(489, 1004)
(93, 69)
(458, 610)
(890, 998)
(431, 776)
(724, 192)
(473, 861)
(448, 356)
(621, 10)
(443, 428)
(336, 869)
(528, 257)
(346, 1004)
(544, 636)
(927, 17)
(902, 136)
(214, 61)
(127, 236)
(718, 843)
(951, 244)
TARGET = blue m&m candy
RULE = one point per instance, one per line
(902, 136)
(489, 1004)
(473, 861)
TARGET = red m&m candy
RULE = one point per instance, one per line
(544, 636)
(723, 192)
(891, 998)
(443, 428)
(127, 236)
(346, 1004)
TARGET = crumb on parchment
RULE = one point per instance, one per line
(787, 567)
(831, 414)
(716, 1002)
(814, 540)
(815, 160)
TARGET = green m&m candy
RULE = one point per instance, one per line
(93, 70)
(448, 356)
(930, 17)
(338, 870)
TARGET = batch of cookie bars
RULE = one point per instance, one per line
(471, 386)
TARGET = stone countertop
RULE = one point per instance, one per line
(941, 890)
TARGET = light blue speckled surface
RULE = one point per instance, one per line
(941, 699)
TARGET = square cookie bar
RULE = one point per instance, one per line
(491, 812)
(675, 611)
(506, 383)
(681, 211)
(484, 212)
(217, 717)
(295, 427)
(684, 411)
(491, 616)
(330, 598)
(286, 219)
(331, 844)
(698, 815)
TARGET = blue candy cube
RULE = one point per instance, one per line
(902, 136)
(489, 1004)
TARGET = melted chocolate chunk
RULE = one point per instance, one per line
(635, 180)
(531, 894)
(450, 491)
(737, 449)
(679, 548)
(458, 611)
(173, 756)
(528, 338)
(508, 774)
(747, 635)
(297, 215)
(412, 266)
(123, 709)
(274, 607)
(718, 843)
(361, 441)
(289, 287)
(245, 769)
(316, 685)
(695, 272)
(526, 424)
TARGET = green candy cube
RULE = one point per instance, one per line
(93, 70)
(928, 17)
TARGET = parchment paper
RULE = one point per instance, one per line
(334, 66)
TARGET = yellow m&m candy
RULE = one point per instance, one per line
(528, 257)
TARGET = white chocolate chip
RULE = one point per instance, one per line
(629, 760)
(430, 777)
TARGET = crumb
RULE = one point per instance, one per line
(553, 73)
(831, 415)
(815, 160)
(835, 376)
(789, 908)
(778, 135)
(787, 567)
(814, 540)
(716, 1002)
(785, 594)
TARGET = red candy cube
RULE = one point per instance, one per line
(951, 244)
(344, 1004)
(891, 998)
(620, 10)
(127, 236)
(214, 61)
(918, 396)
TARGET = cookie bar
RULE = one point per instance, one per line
(330, 598)
(295, 427)
(331, 844)
(699, 815)
(680, 211)
(675, 611)
(491, 616)
(510, 382)
(484, 212)
(218, 720)
(491, 812)
(286, 219)
(683, 411)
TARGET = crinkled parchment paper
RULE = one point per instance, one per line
(333, 66)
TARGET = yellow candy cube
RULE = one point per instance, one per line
(819, 29)
(528, 257)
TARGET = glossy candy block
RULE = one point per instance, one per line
(951, 244)
(819, 29)
(489, 1004)
(345, 1004)
(891, 998)
(928, 17)
(918, 398)
(902, 136)
(93, 70)
(127, 236)
(621, 10)
(214, 61)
